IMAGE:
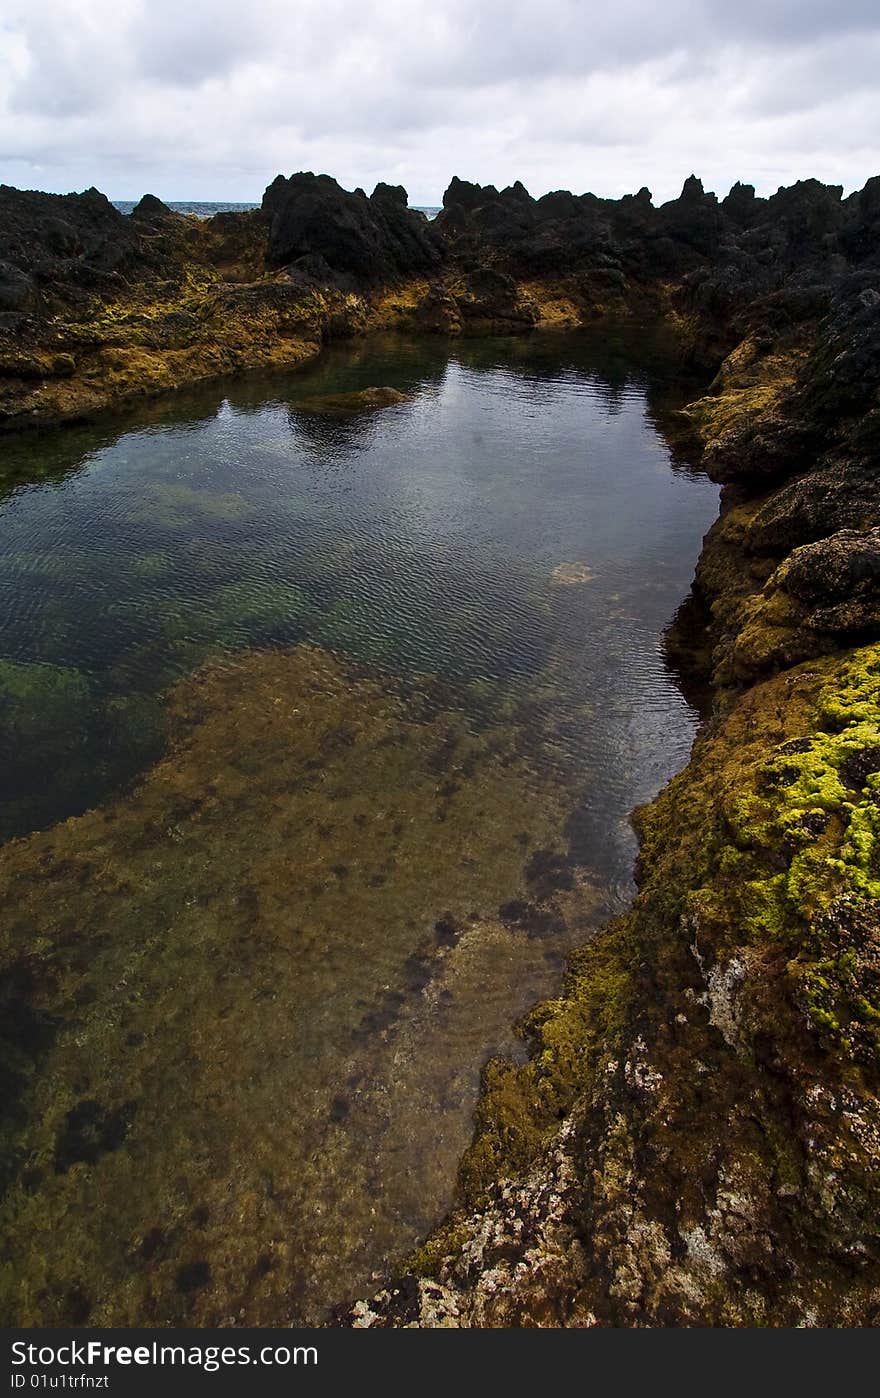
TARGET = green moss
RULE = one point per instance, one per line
(855, 698)
(446, 1241)
(786, 806)
(817, 807)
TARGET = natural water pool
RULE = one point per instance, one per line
(407, 666)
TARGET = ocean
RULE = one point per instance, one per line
(206, 208)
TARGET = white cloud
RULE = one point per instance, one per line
(213, 99)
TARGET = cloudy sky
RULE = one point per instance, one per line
(201, 99)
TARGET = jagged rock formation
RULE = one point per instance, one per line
(149, 209)
(96, 307)
(375, 240)
(66, 242)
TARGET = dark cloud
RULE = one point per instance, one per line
(213, 99)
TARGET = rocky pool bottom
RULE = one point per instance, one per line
(250, 1002)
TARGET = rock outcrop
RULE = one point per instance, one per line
(96, 307)
(359, 400)
(375, 240)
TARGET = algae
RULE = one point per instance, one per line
(252, 967)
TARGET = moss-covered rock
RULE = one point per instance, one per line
(822, 597)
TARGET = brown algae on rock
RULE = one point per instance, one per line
(361, 400)
(247, 993)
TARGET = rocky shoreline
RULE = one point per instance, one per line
(694, 1138)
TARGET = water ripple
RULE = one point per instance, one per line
(515, 525)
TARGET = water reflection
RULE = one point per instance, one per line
(214, 522)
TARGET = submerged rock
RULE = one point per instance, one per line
(299, 896)
(360, 400)
(571, 574)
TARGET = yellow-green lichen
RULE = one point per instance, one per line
(779, 823)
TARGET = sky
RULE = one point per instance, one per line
(210, 99)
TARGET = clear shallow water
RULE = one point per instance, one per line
(422, 538)
(459, 600)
